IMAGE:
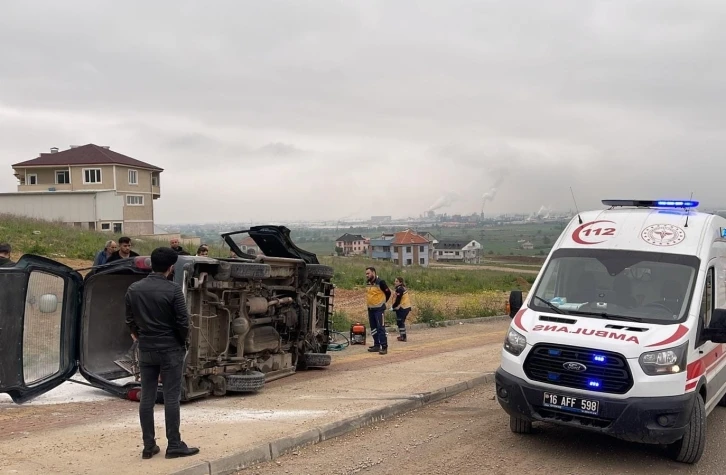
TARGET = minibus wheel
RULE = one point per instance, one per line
(690, 448)
(519, 425)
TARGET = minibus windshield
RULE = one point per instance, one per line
(618, 284)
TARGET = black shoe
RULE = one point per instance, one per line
(375, 348)
(182, 451)
(383, 351)
(148, 453)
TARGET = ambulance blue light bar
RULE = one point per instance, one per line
(653, 203)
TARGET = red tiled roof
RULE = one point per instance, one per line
(409, 237)
(86, 155)
(247, 241)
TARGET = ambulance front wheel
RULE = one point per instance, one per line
(690, 447)
(519, 425)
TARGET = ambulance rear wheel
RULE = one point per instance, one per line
(519, 425)
(690, 448)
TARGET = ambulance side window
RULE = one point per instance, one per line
(707, 301)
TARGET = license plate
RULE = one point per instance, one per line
(572, 404)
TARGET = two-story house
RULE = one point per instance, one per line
(455, 250)
(352, 244)
(404, 248)
(88, 186)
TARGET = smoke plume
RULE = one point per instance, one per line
(446, 200)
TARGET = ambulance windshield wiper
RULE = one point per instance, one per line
(610, 316)
(551, 305)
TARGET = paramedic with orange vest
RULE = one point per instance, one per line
(377, 294)
(402, 307)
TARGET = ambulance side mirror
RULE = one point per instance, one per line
(716, 331)
(515, 302)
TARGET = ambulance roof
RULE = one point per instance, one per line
(641, 227)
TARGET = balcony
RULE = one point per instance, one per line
(41, 187)
(155, 192)
(380, 255)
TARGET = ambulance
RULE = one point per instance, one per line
(623, 330)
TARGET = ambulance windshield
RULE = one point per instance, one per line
(633, 285)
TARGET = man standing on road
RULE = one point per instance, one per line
(157, 316)
(105, 253)
(402, 307)
(5, 255)
(124, 250)
(177, 247)
(377, 294)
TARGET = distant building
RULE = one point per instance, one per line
(527, 245)
(88, 186)
(352, 244)
(405, 248)
(456, 250)
(249, 246)
(381, 219)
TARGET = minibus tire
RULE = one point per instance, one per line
(519, 425)
(316, 360)
(245, 382)
(320, 271)
(722, 402)
(690, 448)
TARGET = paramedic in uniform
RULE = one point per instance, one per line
(402, 307)
(377, 294)
(156, 314)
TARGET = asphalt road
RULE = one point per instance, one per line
(469, 434)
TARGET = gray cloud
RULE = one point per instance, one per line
(315, 110)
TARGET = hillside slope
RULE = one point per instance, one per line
(56, 240)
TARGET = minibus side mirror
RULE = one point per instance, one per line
(515, 302)
(716, 331)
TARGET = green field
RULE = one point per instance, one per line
(350, 274)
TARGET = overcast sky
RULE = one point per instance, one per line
(321, 109)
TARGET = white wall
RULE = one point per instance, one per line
(109, 206)
(67, 207)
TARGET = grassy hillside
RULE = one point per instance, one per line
(54, 239)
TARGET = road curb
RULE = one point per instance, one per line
(448, 323)
(274, 449)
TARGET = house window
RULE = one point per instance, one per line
(62, 177)
(91, 175)
(421, 249)
(408, 249)
(105, 226)
(422, 261)
(32, 179)
(118, 228)
(134, 200)
(441, 253)
(408, 262)
(133, 177)
(154, 180)
(457, 253)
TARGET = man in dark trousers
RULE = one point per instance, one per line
(157, 316)
(5, 251)
(377, 294)
(402, 307)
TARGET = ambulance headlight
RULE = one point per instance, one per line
(670, 361)
(515, 343)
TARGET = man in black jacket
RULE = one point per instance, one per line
(157, 316)
(5, 250)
